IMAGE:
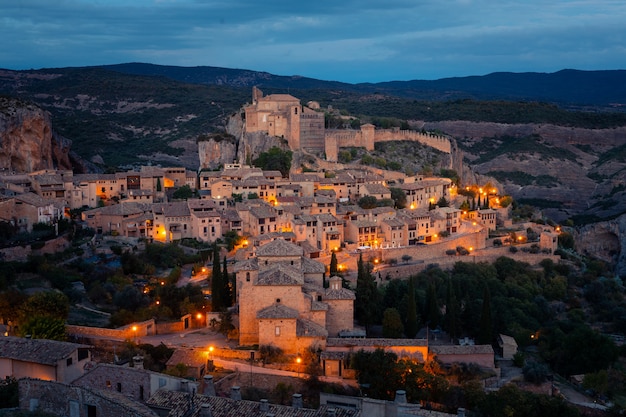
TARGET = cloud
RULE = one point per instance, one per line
(349, 41)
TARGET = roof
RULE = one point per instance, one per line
(308, 328)
(190, 357)
(309, 266)
(179, 402)
(42, 351)
(277, 311)
(246, 265)
(339, 294)
(461, 350)
(279, 247)
(347, 341)
(280, 274)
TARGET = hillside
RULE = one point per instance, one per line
(570, 163)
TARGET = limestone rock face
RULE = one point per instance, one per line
(216, 151)
(605, 240)
(27, 142)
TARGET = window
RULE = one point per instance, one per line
(108, 384)
(278, 300)
(141, 392)
(248, 276)
(68, 362)
(91, 410)
(162, 382)
(119, 387)
(277, 331)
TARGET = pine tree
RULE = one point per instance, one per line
(216, 281)
(485, 334)
(412, 324)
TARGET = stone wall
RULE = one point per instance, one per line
(144, 328)
(367, 137)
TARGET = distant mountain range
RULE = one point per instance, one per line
(567, 88)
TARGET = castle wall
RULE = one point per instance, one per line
(367, 137)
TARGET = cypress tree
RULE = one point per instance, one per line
(412, 325)
(451, 312)
(333, 265)
(366, 300)
(433, 309)
(485, 335)
(227, 298)
(216, 281)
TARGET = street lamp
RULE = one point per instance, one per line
(298, 361)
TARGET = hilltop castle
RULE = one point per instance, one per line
(303, 128)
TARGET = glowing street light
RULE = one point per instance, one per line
(298, 361)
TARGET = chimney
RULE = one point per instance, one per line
(205, 410)
(184, 386)
(138, 362)
(460, 412)
(296, 400)
(209, 387)
(235, 393)
(264, 405)
(400, 397)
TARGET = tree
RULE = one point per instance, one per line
(183, 193)
(392, 324)
(275, 159)
(44, 327)
(399, 197)
(333, 268)
(485, 335)
(451, 318)
(158, 185)
(432, 313)
(379, 371)
(368, 202)
(216, 281)
(366, 295)
(412, 324)
(442, 202)
(227, 296)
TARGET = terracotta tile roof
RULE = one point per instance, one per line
(190, 357)
(461, 350)
(308, 328)
(33, 199)
(280, 274)
(246, 265)
(279, 247)
(309, 266)
(335, 341)
(179, 404)
(47, 352)
(339, 294)
(277, 311)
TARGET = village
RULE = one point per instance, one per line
(288, 228)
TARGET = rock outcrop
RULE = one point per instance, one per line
(27, 142)
(606, 241)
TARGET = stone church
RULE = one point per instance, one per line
(282, 115)
(282, 300)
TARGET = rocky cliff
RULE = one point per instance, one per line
(235, 145)
(605, 241)
(27, 141)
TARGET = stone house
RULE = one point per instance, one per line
(116, 219)
(136, 383)
(25, 210)
(379, 191)
(75, 401)
(282, 300)
(48, 360)
(172, 221)
(508, 346)
(422, 193)
(394, 232)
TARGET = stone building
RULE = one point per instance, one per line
(282, 300)
(282, 115)
(48, 360)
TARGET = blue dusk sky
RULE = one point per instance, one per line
(350, 40)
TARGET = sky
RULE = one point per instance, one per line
(340, 40)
